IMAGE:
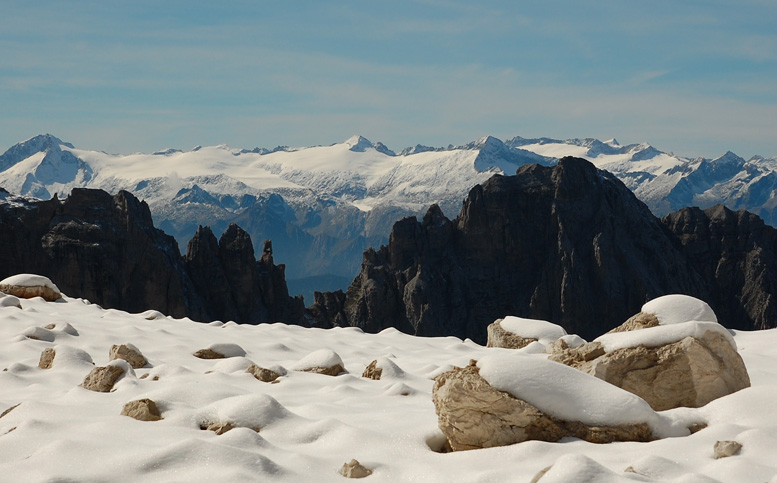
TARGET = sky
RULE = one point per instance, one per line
(696, 78)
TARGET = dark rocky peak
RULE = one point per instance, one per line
(570, 244)
(238, 241)
(736, 254)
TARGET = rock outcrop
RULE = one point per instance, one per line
(472, 414)
(568, 244)
(735, 252)
(106, 249)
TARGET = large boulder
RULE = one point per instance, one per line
(27, 286)
(665, 359)
(472, 414)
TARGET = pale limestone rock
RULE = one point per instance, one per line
(690, 372)
(209, 354)
(354, 469)
(102, 379)
(640, 321)
(498, 337)
(724, 449)
(327, 371)
(472, 414)
(129, 353)
(372, 371)
(142, 410)
(47, 358)
(262, 374)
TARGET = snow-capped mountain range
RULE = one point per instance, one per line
(323, 205)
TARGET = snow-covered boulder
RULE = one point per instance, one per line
(27, 286)
(265, 374)
(220, 351)
(505, 399)
(517, 333)
(323, 361)
(665, 356)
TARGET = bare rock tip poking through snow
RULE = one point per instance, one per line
(142, 409)
(129, 353)
(354, 469)
(27, 286)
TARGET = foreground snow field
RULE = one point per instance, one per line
(310, 424)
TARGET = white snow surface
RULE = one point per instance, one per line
(662, 335)
(29, 280)
(545, 332)
(678, 308)
(310, 424)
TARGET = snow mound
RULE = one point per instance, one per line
(253, 411)
(389, 368)
(545, 332)
(678, 308)
(319, 358)
(228, 350)
(566, 393)
(662, 335)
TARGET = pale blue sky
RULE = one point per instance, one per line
(694, 77)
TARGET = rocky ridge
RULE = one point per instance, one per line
(106, 249)
(569, 244)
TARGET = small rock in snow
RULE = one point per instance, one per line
(724, 449)
(27, 286)
(354, 469)
(142, 410)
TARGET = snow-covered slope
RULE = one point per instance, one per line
(324, 205)
(310, 424)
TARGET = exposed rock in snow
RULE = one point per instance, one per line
(262, 374)
(142, 409)
(27, 286)
(323, 361)
(47, 358)
(724, 449)
(129, 353)
(220, 351)
(354, 469)
(102, 379)
(372, 371)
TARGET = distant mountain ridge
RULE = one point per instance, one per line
(322, 206)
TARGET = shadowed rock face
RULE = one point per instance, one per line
(105, 248)
(736, 254)
(569, 244)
